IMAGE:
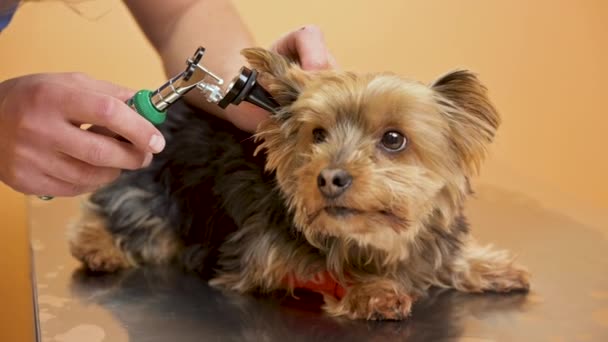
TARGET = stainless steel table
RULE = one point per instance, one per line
(568, 301)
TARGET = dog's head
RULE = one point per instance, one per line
(370, 158)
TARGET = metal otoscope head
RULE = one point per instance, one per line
(244, 87)
(195, 76)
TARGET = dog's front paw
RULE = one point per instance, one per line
(92, 244)
(100, 260)
(381, 300)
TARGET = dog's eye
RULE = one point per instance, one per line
(318, 135)
(393, 141)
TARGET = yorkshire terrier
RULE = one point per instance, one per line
(354, 188)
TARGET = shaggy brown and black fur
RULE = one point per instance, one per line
(359, 181)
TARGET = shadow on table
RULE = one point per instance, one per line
(164, 304)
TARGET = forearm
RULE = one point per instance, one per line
(177, 28)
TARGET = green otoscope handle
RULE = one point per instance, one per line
(141, 102)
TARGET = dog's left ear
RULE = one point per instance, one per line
(472, 117)
(282, 77)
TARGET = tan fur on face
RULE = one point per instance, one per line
(407, 231)
(394, 192)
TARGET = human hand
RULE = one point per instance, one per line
(305, 45)
(43, 150)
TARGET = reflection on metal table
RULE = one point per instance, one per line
(568, 300)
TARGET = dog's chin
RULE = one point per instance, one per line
(339, 221)
(341, 212)
(380, 230)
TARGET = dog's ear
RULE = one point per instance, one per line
(472, 117)
(282, 77)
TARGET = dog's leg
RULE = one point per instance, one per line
(122, 232)
(92, 243)
(478, 269)
(284, 267)
(381, 299)
(263, 256)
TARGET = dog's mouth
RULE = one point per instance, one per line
(342, 212)
(338, 211)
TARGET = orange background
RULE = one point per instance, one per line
(544, 62)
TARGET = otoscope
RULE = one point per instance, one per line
(153, 105)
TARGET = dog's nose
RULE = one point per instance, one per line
(333, 182)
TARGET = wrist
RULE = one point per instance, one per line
(246, 116)
(4, 86)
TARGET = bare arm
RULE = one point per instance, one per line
(176, 28)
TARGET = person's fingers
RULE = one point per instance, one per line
(113, 114)
(102, 131)
(76, 172)
(307, 46)
(32, 181)
(51, 186)
(332, 61)
(81, 81)
(100, 150)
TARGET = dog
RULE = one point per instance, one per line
(355, 188)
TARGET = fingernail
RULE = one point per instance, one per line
(147, 160)
(157, 143)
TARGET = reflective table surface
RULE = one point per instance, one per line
(568, 301)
